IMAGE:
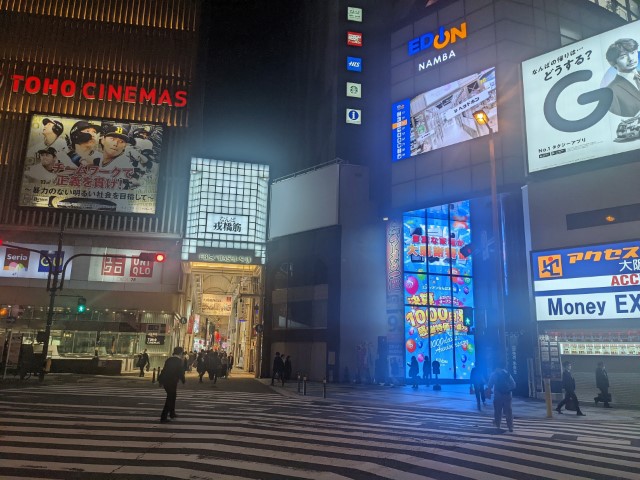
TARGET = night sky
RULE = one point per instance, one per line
(249, 76)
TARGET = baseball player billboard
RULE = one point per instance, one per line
(89, 164)
(582, 101)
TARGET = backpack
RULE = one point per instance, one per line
(503, 382)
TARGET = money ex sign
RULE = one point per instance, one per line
(584, 283)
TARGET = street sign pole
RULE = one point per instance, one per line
(55, 265)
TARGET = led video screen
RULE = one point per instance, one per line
(90, 164)
(443, 116)
(438, 289)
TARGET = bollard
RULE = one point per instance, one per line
(298, 383)
(304, 385)
(153, 378)
(547, 397)
(324, 388)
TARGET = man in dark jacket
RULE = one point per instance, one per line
(172, 372)
(569, 385)
(143, 361)
(602, 382)
(278, 369)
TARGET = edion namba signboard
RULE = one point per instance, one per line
(593, 282)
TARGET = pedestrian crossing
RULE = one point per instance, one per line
(75, 431)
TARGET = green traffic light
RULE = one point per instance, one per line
(82, 305)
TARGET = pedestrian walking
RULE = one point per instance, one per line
(426, 371)
(602, 382)
(569, 385)
(414, 369)
(478, 380)
(502, 384)
(185, 361)
(229, 363)
(278, 369)
(201, 365)
(172, 373)
(143, 362)
(287, 368)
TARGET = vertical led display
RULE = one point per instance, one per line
(438, 289)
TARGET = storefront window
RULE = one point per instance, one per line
(438, 288)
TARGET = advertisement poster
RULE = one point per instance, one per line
(599, 282)
(89, 164)
(123, 270)
(20, 263)
(213, 304)
(582, 101)
(438, 286)
(444, 116)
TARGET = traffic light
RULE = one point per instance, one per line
(157, 257)
(4, 312)
(82, 305)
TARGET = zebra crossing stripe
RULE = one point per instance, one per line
(330, 450)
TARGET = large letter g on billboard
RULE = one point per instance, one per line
(603, 97)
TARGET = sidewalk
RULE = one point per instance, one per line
(451, 396)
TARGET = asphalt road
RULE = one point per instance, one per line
(74, 427)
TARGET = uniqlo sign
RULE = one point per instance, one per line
(354, 39)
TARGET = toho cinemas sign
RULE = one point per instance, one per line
(94, 91)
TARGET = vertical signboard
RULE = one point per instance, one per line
(400, 144)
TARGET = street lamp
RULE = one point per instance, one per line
(482, 118)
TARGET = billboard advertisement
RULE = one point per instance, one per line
(438, 288)
(582, 101)
(91, 164)
(122, 270)
(214, 304)
(20, 263)
(442, 117)
(597, 282)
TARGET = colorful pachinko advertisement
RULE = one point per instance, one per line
(438, 290)
(444, 116)
(89, 164)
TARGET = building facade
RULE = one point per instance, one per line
(95, 108)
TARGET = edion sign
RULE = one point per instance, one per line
(354, 39)
(33, 85)
(439, 40)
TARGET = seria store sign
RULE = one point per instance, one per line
(595, 282)
(34, 85)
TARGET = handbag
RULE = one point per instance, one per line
(471, 390)
(487, 393)
(571, 405)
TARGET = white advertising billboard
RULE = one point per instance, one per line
(122, 270)
(582, 101)
(91, 164)
(213, 304)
